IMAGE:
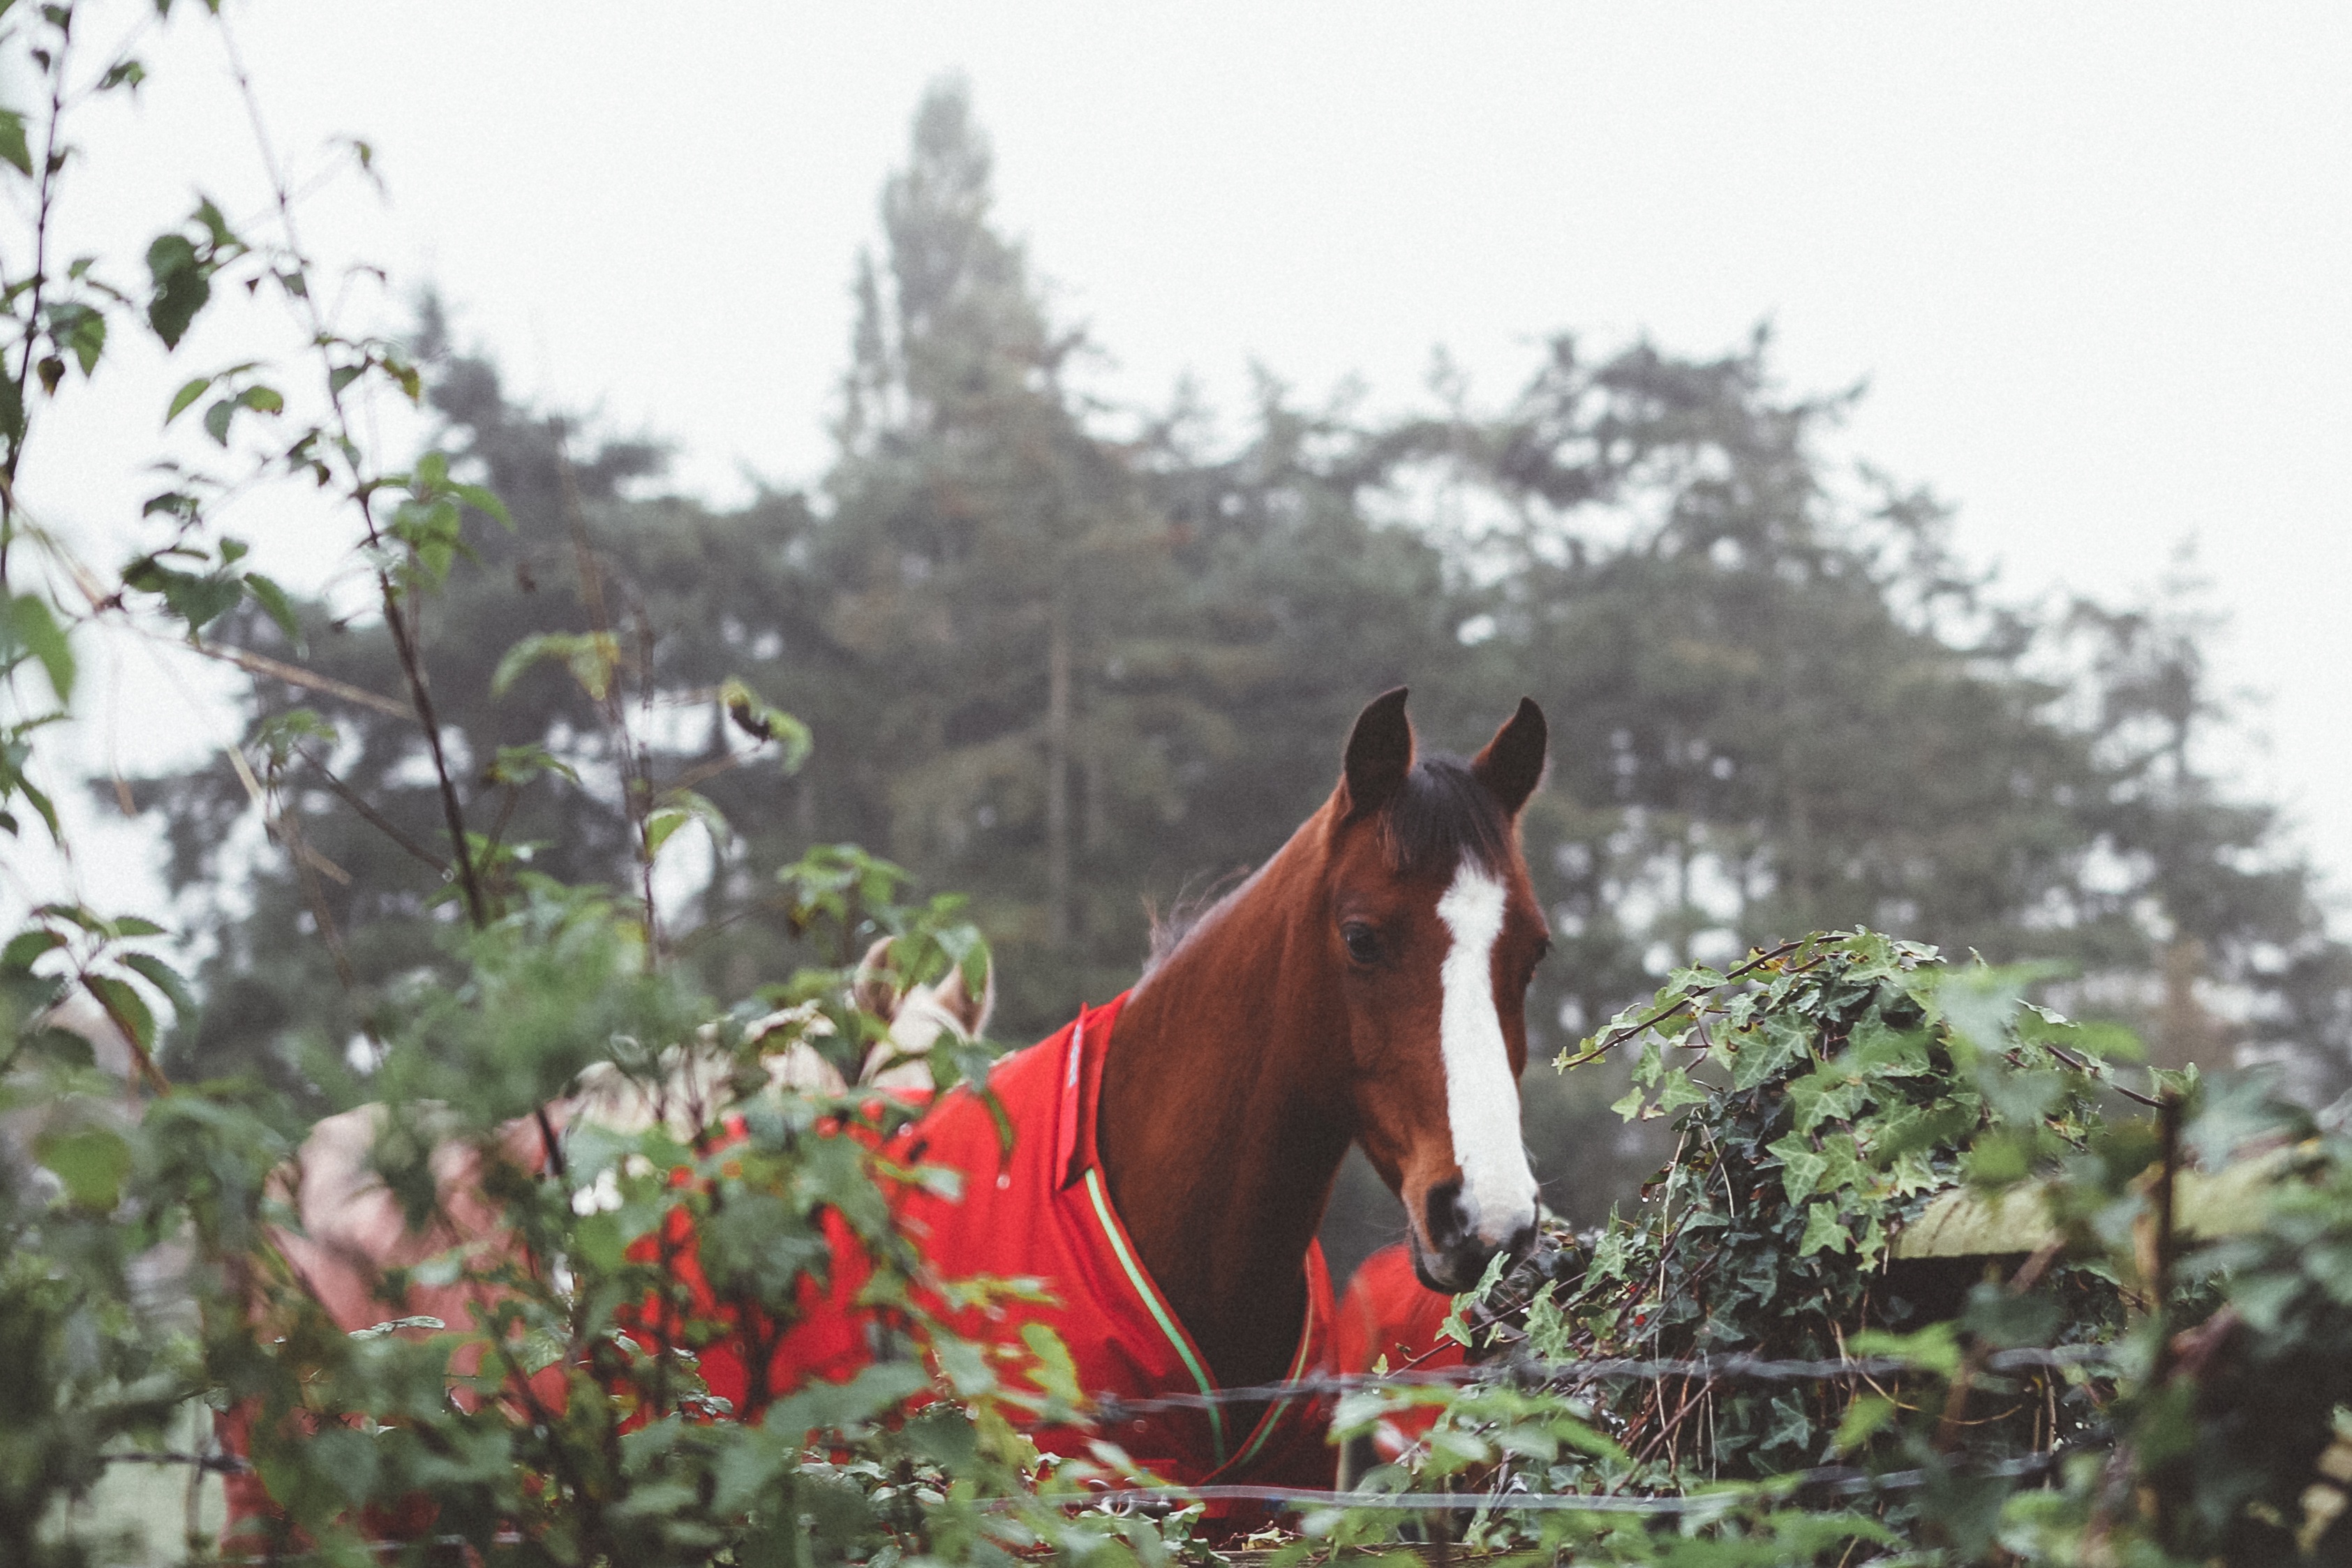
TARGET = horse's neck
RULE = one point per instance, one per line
(1224, 1119)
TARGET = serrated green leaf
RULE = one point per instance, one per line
(1862, 1419)
(125, 1006)
(77, 915)
(1052, 1368)
(599, 1243)
(26, 623)
(164, 979)
(592, 658)
(83, 330)
(484, 499)
(522, 763)
(272, 599)
(1935, 1348)
(182, 287)
(40, 802)
(701, 810)
(14, 149)
(661, 825)
(945, 1436)
(27, 946)
(91, 1162)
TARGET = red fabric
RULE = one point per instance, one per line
(1043, 1211)
(1388, 1312)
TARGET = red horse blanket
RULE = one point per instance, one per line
(1043, 1211)
(1390, 1321)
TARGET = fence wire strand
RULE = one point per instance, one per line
(2088, 1360)
(1531, 1376)
(1841, 1480)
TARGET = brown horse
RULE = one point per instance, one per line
(1368, 985)
(1175, 1150)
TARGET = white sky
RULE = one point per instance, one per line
(2092, 260)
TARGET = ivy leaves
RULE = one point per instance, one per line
(1822, 1093)
(1835, 1095)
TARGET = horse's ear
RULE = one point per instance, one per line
(970, 1012)
(1513, 763)
(873, 988)
(1379, 754)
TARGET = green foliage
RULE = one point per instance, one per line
(135, 1232)
(1059, 661)
(1821, 1095)
(583, 1427)
(182, 266)
(1754, 1367)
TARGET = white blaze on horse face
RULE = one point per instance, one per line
(1482, 1100)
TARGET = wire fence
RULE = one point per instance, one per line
(1827, 1481)
(1836, 1480)
(2088, 1361)
(2092, 1361)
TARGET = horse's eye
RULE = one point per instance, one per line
(1543, 949)
(1363, 942)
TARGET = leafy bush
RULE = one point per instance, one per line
(147, 1264)
(1770, 1357)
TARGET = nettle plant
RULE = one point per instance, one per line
(558, 1430)
(143, 1263)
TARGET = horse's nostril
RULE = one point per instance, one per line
(1522, 1241)
(1446, 1215)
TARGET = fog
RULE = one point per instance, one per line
(2091, 263)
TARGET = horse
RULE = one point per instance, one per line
(1173, 1150)
(350, 1235)
(1367, 986)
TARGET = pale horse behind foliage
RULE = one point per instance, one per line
(351, 1228)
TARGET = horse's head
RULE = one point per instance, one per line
(919, 1015)
(1434, 931)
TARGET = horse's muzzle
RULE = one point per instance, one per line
(1450, 1248)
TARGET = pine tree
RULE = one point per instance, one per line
(1071, 659)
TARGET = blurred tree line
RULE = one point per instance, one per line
(1076, 659)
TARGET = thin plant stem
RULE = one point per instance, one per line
(44, 207)
(637, 766)
(375, 819)
(404, 637)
